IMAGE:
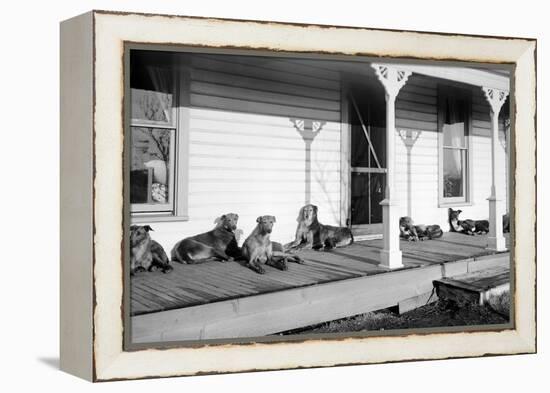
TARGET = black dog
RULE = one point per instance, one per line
(468, 227)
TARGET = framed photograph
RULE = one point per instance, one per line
(242, 195)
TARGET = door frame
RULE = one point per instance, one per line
(345, 166)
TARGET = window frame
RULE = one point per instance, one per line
(465, 93)
(177, 207)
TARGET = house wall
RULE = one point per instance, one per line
(417, 174)
(246, 156)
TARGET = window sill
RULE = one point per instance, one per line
(149, 218)
(455, 204)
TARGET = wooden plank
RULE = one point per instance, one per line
(230, 104)
(256, 72)
(417, 301)
(222, 78)
(256, 94)
(270, 313)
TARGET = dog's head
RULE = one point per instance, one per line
(139, 234)
(308, 213)
(405, 222)
(265, 223)
(228, 221)
(453, 214)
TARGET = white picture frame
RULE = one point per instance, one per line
(93, 218)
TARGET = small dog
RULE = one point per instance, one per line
(258, 248)
(219, 243)
(412, 232)
(468, 227)
(310, 233)
(145, 253)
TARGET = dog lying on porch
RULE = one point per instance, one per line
(258, 249)
(310, 233)
(217, 244)
(145, 253)
(468, 226)
(412, 232)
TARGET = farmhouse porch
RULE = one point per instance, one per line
(218, 300)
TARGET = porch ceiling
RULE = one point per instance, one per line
(497, 79)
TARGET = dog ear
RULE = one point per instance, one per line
(223, 217)
(314, 208)
(301, 214)
(459, 211)
(147, 228)
(274, 219)
(450, 210)
(259, 219)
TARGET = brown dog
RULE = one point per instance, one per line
(219, 243)
(412, 232)
(145, 253)
(258, 248)
(312, 234)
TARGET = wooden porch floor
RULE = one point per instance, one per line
(191, 285)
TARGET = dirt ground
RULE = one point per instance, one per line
(438, 314)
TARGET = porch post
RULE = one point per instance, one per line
(496, 239)
(393, 79)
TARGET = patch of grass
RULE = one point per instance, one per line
(438, 314)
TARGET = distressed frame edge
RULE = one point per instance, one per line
(527, 341)
(76, 208)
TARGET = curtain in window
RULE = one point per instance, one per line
(161, 79)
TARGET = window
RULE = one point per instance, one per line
(454, 123)
(154, 134)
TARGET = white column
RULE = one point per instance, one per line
(496, 239)
(393, 79)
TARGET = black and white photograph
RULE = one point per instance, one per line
(278, 196)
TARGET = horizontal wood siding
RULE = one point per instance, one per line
(246, 156)
(417, 166)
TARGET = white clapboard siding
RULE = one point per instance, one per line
(245, 154)
(417, 171)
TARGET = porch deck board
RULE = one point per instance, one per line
(191, 285)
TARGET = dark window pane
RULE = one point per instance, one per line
(367, 191)
(453, 173)
(152, 86)
(454, 127)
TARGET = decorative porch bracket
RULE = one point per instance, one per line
(496, 241)
(393, 79)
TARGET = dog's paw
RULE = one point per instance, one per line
(167, 269)
(139, 269)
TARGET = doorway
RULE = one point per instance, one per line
(367, 158)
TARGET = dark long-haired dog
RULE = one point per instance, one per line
(468, 227)
(258, 249)
(310, 233)
(412, 232)
(145, 253)
(218, 244)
